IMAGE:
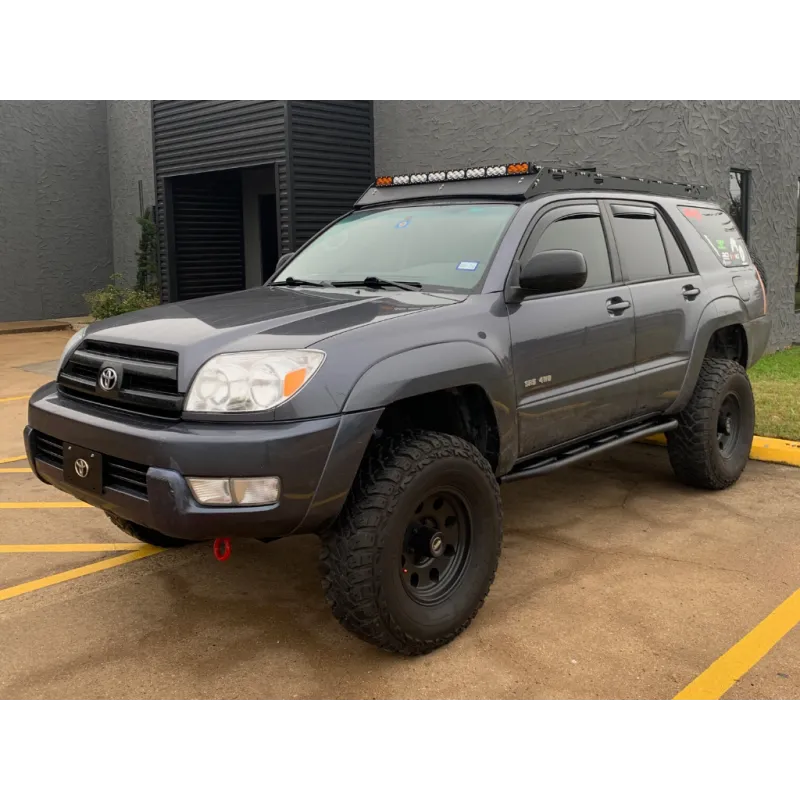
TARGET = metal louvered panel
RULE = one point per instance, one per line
(201, 135)
(323, 153)
(192, 137)
(163, 242)
(283, 206)
(207, 234)
(331, 161)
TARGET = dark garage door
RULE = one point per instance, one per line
(208, 234)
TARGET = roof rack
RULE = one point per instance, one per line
(519, 181)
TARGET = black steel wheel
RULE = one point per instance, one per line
(415, 551)
(436, 547)
(729, 424)
(710, 447)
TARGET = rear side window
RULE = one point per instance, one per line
(641, 250)
(720, 234)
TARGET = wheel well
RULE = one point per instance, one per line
(464, 411)
(729, 342)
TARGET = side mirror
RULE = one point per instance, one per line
(283, 261)
(553, 271)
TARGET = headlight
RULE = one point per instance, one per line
(71, 345)
(258, 381)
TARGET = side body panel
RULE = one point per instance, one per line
(573, 352)
(573, 365)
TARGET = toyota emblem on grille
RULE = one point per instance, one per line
(108, 379)
(81, 467)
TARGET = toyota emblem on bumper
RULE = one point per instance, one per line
(81, 467)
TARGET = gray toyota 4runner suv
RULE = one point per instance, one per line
(456, 330)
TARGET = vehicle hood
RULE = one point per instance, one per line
(265, 318)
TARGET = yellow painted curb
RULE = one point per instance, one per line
(14, 470)
(778, 451)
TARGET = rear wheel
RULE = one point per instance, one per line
(146, 535)
(710, 447)
(415, 552)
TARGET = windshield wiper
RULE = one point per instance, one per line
(373, 282)
(300, 282)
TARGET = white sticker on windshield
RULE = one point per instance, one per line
(468, 265)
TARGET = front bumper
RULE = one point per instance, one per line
(314, 459)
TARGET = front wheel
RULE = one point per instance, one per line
(710, 447)
(414, 554)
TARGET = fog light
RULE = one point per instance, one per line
(235, 491)
(255, 491)
(211, 491)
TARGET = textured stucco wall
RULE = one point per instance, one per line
(130, 158)
(55, 220)
(692, 141)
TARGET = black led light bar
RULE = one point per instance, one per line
(520, 181)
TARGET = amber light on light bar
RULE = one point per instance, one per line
(496, 171)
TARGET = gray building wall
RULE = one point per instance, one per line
(130, 160)
(55, 215)
(684, 141)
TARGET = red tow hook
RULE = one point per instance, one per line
(222, 549)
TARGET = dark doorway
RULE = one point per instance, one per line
(207, 233)
(268, 231)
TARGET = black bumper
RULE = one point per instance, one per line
(316, 460)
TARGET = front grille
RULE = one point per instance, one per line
(149, 383)
(125, 476)
(130, 352)
(119, 474)
(50, 450)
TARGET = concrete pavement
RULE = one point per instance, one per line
(615, 581)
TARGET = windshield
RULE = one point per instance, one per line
(444, 247)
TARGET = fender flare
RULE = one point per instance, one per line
(719, 313)
(444, 365)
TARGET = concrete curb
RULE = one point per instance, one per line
(778, 451)
(45, 325)
(33, 327)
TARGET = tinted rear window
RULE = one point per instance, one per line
(720, 233)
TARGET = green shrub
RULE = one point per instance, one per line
(119, 299)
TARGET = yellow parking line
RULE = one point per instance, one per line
(745, 654)
(9, 470)
(18, 397)
(70, 548)
(12, 460)
(76, 504)
(71, 574)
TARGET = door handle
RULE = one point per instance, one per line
(616, 305)
(690, 292)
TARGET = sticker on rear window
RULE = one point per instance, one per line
(404, 223)
(720, 233)
(468, 265)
